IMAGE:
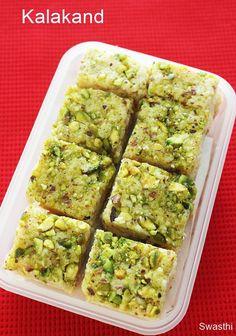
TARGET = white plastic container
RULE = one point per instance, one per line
(207, 180)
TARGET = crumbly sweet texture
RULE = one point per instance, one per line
(71, 180)
(117, 73)
(147, 203)
(150, 204)
(49, 248)
(94, 119)
(128, 275)
(168, 135)
(194, 89)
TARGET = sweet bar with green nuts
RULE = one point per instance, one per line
(94, 119)
(71, 180)
(49, 248)
(116, 73)
(150, 204)
(152, 196)
(168, 134)
(195, 89)
(128, 275)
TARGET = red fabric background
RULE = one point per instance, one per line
(199, 33)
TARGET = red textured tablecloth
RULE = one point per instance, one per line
(199, 33)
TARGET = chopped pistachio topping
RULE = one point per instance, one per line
(180, 83)
(153, 205)
(75, 181)
(116, 73)
(135, 278)
(76, 169)
(168, 135)
(94, 119)
(52, 256)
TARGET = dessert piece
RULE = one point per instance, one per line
(150, 204)
(128, 275)
(178, 82)
(117, 73)
(168, 135)
(49, 248)
(94, 119)
(71, 180)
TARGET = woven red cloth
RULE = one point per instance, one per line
(199, 33)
